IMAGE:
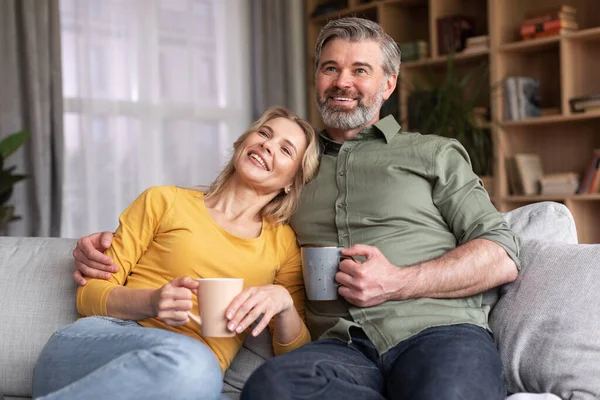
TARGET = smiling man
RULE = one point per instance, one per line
(411, 323)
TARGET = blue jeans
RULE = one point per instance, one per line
(440, 363)
(108, 358)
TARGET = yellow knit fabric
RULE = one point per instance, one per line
(167, 233)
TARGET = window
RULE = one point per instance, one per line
(155, 92)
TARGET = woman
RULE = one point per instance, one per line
(237, 229)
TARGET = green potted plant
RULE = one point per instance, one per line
(8, 178)
(447, 107)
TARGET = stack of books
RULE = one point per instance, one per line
(585, 103)
(477, 43)
(549, 22)
(559, 184)
(521, 98)
(413, 51)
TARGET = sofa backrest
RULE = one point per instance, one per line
(36, 298)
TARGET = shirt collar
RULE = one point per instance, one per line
(387, 127)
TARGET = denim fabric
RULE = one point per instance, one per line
(441, 363)
(108, 358)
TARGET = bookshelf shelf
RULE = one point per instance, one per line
(552, 119)
(591, 35)
(528, 46)
(565, 65)
(459, 58)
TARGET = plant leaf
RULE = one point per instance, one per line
(11, 143)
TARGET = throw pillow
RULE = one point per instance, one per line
(546, 322)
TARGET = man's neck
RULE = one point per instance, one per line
(340, 135)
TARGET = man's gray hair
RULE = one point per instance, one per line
(358, 29)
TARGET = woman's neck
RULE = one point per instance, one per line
(238, 203)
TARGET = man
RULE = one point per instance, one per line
(426, 240)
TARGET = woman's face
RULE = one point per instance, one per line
(270, 157)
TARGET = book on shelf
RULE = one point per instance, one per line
(584, 103)
(549, 21)
(591, 178)
(554, 25)
(521, 98)
(565, 183)
(548, 33)
(453, 32)
(527, 173)
(476, 44)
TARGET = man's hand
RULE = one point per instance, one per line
(172, 302)
(90, 260)
(368, 283)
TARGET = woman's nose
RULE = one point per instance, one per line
(267, 146)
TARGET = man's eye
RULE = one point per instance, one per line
(361, 71)
(330, 69)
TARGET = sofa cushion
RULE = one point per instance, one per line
(37, 296)
(548, 221)
(546, 322)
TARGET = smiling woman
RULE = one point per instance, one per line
(236, 230)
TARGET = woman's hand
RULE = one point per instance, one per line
(172, 302)
(246, 307)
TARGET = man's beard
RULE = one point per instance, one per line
(342, 118)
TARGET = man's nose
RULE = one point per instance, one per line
(344, 80)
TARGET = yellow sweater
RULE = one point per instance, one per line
(167, 233)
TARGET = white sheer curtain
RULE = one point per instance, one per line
(155, 92)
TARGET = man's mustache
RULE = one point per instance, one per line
(343, 93)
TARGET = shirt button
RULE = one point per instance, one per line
(342, 172)
(340, 205)
(346, 149)
(344, 235)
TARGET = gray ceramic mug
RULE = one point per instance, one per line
(319, 266)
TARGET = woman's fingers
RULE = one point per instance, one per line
(250, 317)
(267, 316)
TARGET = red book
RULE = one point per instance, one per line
(548, 25)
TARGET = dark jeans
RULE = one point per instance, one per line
(440, 363)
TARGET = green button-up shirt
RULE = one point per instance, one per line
(414, 197)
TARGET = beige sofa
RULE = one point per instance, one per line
(37, 297)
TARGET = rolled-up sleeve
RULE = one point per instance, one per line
(464, 203)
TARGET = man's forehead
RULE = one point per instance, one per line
(351, 50)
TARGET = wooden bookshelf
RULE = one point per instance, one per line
(566, 66)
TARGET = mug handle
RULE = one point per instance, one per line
(195, 318)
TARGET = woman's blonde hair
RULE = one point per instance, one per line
(281, 208)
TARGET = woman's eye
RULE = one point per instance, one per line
(263, 133)
(286, 151)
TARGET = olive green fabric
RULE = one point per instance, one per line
(414, 197)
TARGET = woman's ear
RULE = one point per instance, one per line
(287, 189)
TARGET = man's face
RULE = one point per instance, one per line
(351, 85)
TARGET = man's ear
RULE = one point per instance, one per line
(390, 85)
